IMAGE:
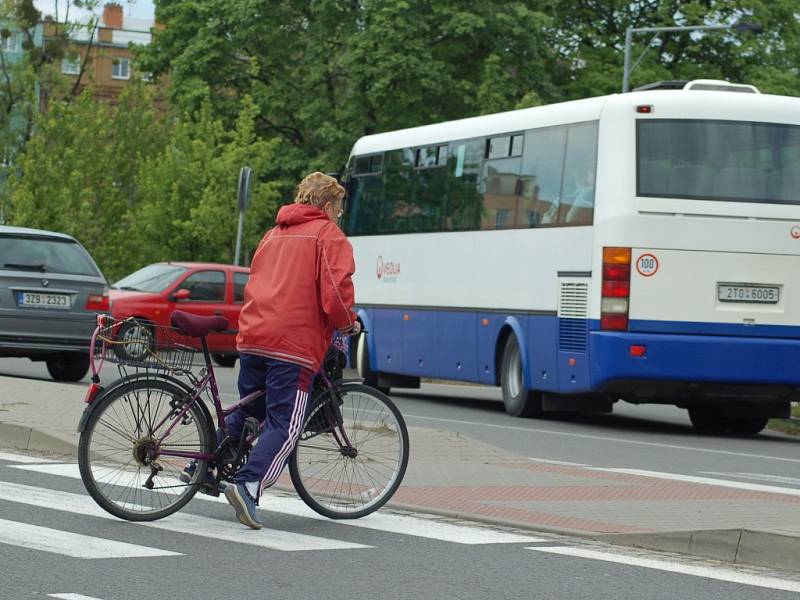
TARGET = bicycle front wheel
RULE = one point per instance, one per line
(348, 481)
(120, 453)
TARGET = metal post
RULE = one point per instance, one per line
(626, 72)
(243, 201)
(239, 237)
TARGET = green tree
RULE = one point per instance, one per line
(325, 72)
(77, 174)
(589, 36)
(188, 191)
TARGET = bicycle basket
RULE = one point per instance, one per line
(139, 344)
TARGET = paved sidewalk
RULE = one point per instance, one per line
(452, 474)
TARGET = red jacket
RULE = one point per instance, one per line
(300, 288)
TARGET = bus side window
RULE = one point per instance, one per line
(365, 196)
(464, 205)
(399, 183)
(577, 204)
(542, 170)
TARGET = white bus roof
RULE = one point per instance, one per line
(506, 122)
(783, 107)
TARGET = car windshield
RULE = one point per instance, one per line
(152, 278)
(45, 255)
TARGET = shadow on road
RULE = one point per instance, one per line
(649, 424)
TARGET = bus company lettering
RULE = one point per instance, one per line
(387, 271)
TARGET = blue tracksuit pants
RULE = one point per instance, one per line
(283, 410)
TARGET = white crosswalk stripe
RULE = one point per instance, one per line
(75, 545)
(716, 572)
(429, 528)
(217, 529)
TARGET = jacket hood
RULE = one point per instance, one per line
(295, 214)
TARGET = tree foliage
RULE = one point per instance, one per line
(590, 38)
(135, 188)
(325, 72)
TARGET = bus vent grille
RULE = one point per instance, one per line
(573, 324)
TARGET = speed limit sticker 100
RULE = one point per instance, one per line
(647, 265)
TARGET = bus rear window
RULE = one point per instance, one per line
(731, 161)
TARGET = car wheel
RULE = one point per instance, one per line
(68, 366)
(134, 340)
(225, 360)
(518, 401)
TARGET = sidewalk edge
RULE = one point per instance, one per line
(30, 438)
(738, 546)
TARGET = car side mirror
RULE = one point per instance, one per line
(181, 294)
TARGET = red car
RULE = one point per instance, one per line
(151, 294)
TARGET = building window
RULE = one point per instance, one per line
(12, 43)
(147, 76)
(121, 68)
(71, 66)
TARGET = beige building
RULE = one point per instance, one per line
(101, 55)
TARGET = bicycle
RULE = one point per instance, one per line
(138, 434)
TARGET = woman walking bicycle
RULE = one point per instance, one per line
(300, 292)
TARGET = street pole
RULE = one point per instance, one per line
(239, 237)
(627, 68)
(243, 201)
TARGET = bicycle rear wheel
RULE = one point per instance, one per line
(337, 482)
(119, 450)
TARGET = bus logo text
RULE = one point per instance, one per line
(387, 271)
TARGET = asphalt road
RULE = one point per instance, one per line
(203, 553)
(647, 437)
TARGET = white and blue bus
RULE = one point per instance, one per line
(642, 246)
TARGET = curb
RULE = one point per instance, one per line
(738, 546)
(28, 438)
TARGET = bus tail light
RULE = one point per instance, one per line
(616, 289)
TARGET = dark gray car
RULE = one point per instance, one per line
(50, 291)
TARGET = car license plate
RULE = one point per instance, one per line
(757, 294)
(41, 300)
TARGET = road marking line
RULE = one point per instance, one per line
(72, 597)
(719, 573)
(604, 438)
(562, 463)
(216, 529)
(21, 458)
(757, 477)
(75, 545)
(378, 521)
(739, 485)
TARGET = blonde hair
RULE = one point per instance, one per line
(317, 189)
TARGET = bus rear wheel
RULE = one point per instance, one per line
(518, 401)
(745, 425)
(366, 373)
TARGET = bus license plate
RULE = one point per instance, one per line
(40, 300)
(758, 294)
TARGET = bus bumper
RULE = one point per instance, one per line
(673, 364)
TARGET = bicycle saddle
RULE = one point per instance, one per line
(195, 325)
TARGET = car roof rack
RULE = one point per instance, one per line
(707, 85)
